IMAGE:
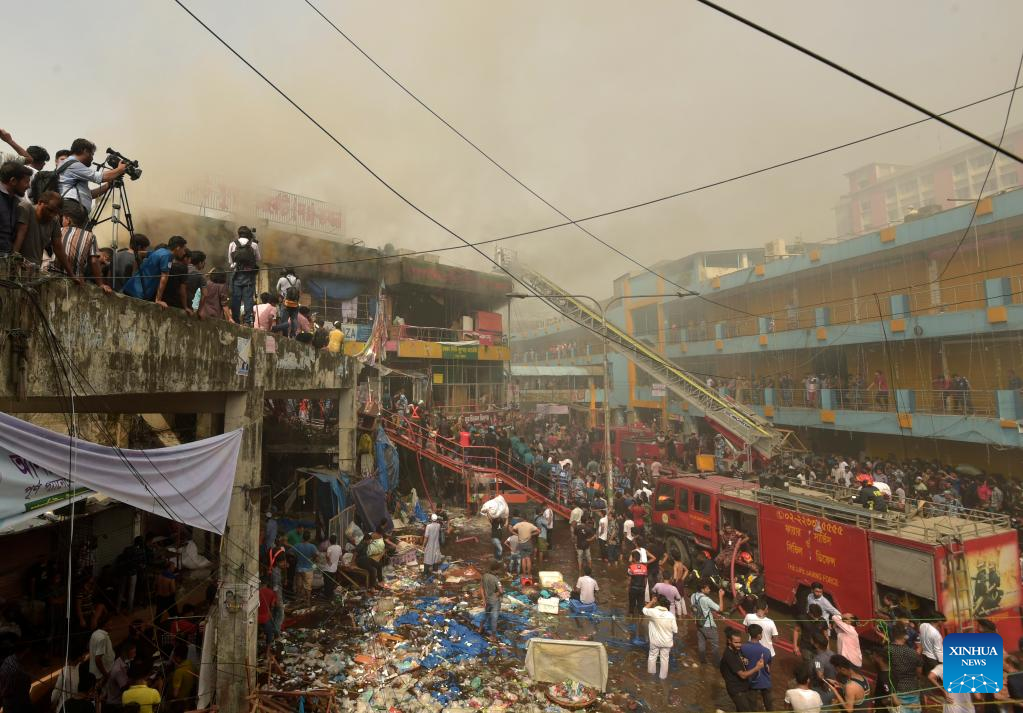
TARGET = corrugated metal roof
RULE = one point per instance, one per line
(554, 370)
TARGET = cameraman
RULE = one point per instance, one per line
(75, 178)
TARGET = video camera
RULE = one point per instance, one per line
(115, 157)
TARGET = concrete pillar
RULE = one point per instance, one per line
(762, 325)
(905, 400)
(822, 316)
(239, 558)
(719, 330)
(899, 305)
(1010, 405)
(683, 334)
(769, 396)
(347, 425)
(998, 291)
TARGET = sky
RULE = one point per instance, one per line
(593, 104)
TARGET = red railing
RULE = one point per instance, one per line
(486, 460)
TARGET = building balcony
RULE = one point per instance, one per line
(558, 396)
(990, 417)
(994, 305)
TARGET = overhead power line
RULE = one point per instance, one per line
(859, 78)
(543, 298)
(983, 185)
(488, 157)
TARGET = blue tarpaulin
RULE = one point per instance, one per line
(387, 461)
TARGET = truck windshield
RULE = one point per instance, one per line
(665, 497)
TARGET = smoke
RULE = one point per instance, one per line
(590, 106)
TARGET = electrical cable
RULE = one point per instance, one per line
(983, 185)
(549, 300)
(488, 157)
(859, 78)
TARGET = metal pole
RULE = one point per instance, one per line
(608, 463)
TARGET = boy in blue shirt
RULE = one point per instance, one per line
(752, 652)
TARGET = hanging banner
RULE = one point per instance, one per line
(41, 470)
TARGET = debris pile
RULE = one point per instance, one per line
(418, 647)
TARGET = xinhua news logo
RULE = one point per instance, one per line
(972, 663)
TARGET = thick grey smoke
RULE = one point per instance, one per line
(594, 104)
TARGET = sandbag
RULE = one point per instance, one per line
(496, 508)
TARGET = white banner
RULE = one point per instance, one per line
(42, 470)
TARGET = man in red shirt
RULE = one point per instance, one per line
(267, 602)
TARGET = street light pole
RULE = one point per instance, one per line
(608, 461)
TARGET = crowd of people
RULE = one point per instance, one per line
(157, 661)
(45, 220)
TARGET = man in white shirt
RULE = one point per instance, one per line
(817, 596)
(548, 519)
(954, 702)
(334, 552)
(101, 651)
(602, 536)
(770, 630)
(587, 587)
(627, 530)
(655, 469)
(803, 699)
(644, 488)
(575, 517)
(931, 641)
(661, 630)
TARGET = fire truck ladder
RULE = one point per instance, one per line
(738, 424)
(470, 461)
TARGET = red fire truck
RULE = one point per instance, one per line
(629, 442)
(964, 563)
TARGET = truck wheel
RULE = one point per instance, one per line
(678, 550)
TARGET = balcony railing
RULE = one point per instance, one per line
(973, 402)
(441, 334)
(936, 299)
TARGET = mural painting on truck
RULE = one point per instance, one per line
(798, 549)
(984, 582)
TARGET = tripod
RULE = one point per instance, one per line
(116, 204)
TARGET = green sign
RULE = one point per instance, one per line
(452, 351)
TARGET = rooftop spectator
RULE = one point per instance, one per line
(151, 280)
(82, 253)
(14, 181)
(127, 260)
(214, 302)
(244, 257)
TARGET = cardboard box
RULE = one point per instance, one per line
(549, 578)
(548, 606)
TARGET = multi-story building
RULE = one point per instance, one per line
(883, 194)
(910, 308)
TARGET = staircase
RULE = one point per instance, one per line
(740, 425)
(475, 460)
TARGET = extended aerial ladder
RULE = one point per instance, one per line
(740, 425)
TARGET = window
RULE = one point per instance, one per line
(891, 205)
(701, 503)
(865, 221)
(644, 322)
(683, 500)
(960, 180)
(664, 499)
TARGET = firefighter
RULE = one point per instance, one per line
(749, 587)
